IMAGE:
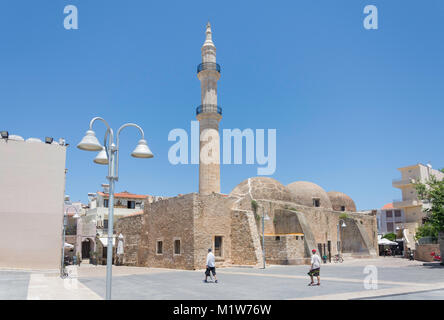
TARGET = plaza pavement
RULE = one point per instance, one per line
(397, 279)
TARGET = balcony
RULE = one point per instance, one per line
(399, 204)
(208, 108)
(400, 183)
(208, 66)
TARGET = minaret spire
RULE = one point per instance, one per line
(209, 35)
(209, 114)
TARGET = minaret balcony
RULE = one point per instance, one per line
(208, 66)
(208, 108)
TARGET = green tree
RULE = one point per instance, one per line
(432, 192)
(390, 236)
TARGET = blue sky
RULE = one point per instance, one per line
(350, 105)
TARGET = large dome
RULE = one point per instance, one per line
(262, 188)
(340, 201)
(309, 194)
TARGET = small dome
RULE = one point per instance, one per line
(34, 140)
(262, 188)
(309, 194)
(340, 201)
(16, 137)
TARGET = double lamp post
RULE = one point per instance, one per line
(109, 155)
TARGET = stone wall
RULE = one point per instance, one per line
(168, 220)
(212, 217)
(245, 243)
(285, 249)
(422, 252)
(131, 228)
(320, 226)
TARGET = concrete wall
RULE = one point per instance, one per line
(32, 186)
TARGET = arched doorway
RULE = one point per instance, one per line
(86, 248)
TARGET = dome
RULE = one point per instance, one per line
(34, 140)
(309, 194)
(16, 137)
(341, 201)
(262, 188)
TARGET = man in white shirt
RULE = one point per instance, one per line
(315, 268)
(211, 267)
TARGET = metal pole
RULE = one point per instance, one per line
(263, 237)
(63, 245)
(338, 239)
(109, 256)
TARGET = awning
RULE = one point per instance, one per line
(68, 245)
(384, 241)
(104, 241)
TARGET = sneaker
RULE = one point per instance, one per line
(215, 281)
(311, 284)
(205, 281)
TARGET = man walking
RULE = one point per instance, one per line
(315, 268)
(211, 267)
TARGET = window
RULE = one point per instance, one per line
(106, 203)
(397, 213)
(297, 237)
(342, 208)
(131, 204)
(389, 226)
(105, 224)
(176, 246)
(218, 246)
(389, 214)
(278, 238)
(159, 247)
(316, 202)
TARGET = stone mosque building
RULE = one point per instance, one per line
(176, 232)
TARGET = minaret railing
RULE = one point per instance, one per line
(208, 108)
(208, 66)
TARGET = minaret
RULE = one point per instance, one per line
(209, 114)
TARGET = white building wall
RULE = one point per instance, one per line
(32, 182)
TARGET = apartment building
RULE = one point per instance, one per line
(390, 220)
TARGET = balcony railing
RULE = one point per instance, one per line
(399, 204)
(208, 66)
(208, 108)
(402, 182)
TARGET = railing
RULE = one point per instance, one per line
(208, 108)
(401, 181)
(208, 66)
(398, 203)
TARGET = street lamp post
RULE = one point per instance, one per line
(338, 244)
(264, 218)
(109, 154)
(65, 223)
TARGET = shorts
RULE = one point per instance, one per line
(315, 272)
(212, 269)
